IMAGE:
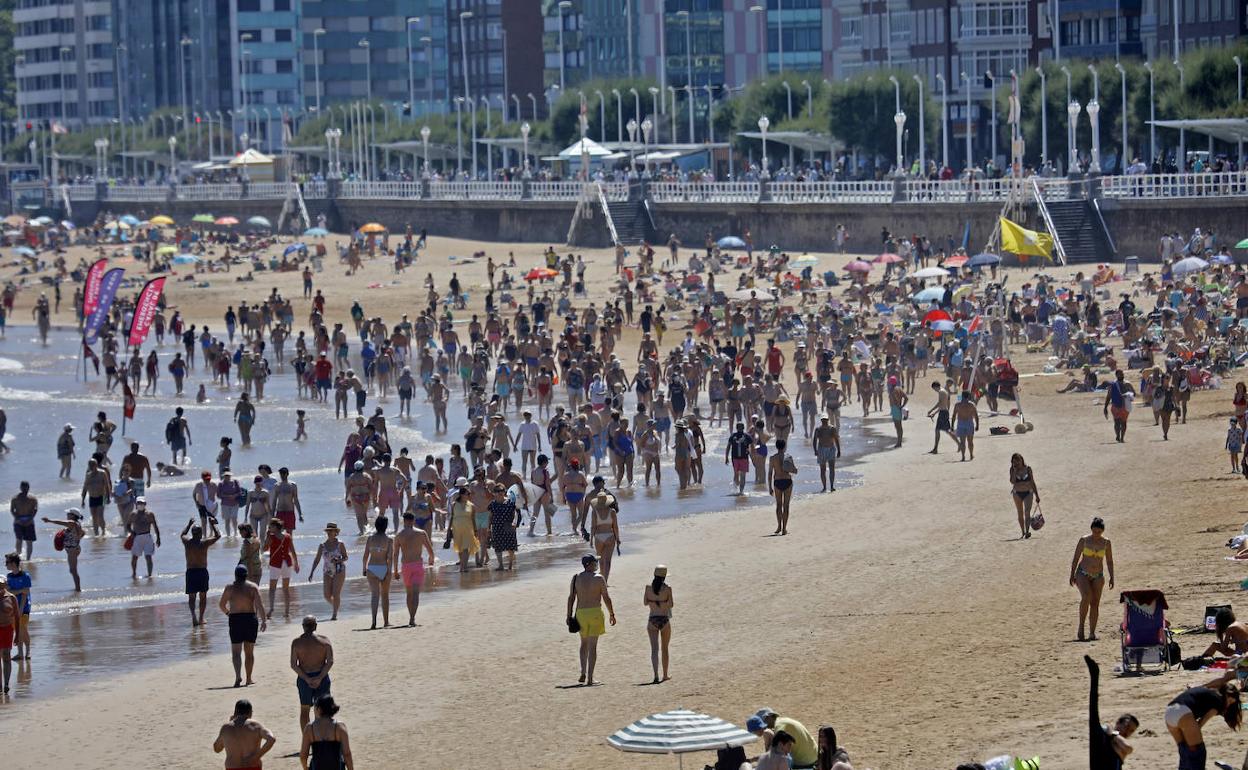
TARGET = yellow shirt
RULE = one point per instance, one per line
(805, 752)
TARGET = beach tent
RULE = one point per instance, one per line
(591, 148)
(679, 732)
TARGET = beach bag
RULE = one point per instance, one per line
(58, 540)
(789, 466)
(574, 625)
(129, 543)
(1037, 520)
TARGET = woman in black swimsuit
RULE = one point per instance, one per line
(658, 598)
(325, 742)
(1023, 490)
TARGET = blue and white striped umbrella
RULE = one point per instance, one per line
(679, 732)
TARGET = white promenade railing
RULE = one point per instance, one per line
(208, 192)
(81, 192)
(704, 192)
(1222, 185)
(269, 190)
(381, 190)
(315, 189)
(139, 193)
(830, 192)
(556, 191)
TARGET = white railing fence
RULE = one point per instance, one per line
(1224, 185)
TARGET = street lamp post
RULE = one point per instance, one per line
(810, 99)
(1152, 115)
(489, 151)
(944, 120)
(1239, 99)
(632, 145)
(463, 51)
(1181, 160)
(899, 120)
(1122, 158)
(472, 115)
(992, 100)
(922, 120)
(533, 103)
(525, 128)
(173, 159)
(646, 128)
(368, 70)
(183, 44)
(602, 115)
(1072, 128)
(636, 103)
(316, 65)
(1044, 118)
(411, 67)
(710, 108)
(619, 114)
(654, 101)
(459, 135)
(1094, 111)
(763, 124)
(563, 6)
(516, 99)
(424, 141)
(970, 158)
(789, 97)
(671, 91)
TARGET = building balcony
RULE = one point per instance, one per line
(1103, 50)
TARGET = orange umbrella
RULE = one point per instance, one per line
(226, 221)
(372, 227)
(539, 273)
(958, 260)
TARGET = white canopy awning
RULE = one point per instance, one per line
(1223, 129)
(590, 148)
(801, 140)
(251, 157)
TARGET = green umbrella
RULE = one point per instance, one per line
(1242, 244)
(205, 219)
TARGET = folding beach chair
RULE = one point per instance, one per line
(1145, 631)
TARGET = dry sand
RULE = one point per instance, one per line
(904, 612)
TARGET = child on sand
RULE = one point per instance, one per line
(301, 421)
(1234, 443)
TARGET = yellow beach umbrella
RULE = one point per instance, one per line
(372, 227)
(167, 250)
(161, 220)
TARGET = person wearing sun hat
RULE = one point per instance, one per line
(334, 575)
(658, 597)
(71, 538)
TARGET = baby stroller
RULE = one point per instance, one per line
(1145, 631)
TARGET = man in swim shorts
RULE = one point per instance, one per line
(827, 445)
(966, 423)
(243, 605)
(196, 547)
(410, 544)
(243, 739)
(585, 599)
(311, 658)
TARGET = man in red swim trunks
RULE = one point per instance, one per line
(8, 629)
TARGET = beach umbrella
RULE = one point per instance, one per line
(67, 225)
(957, 260)
(930, 294)
(888, 259)
(203, 219)
(166, 249)
(226, 221)
(129, 219)
(372, 227)
(293, 248)
(185, 259)
(42, 221)
(804, 261)
(1222, 259)
(930, 272)
(679, 732)
(983, 259)
(858, 266)
(260, 222)
(942, 326)
(1189, 265)
(160, 220)
(316, 232)
(962, 291)
(730, 242)
(24, 251)
(15, 220)
(936, 315)
(538, 273)
(1241, 245)
(119, 225)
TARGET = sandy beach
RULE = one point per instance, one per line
(903, 612)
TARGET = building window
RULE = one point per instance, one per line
(283, 35)
(281, 5)
(284, 66)
(248, 6)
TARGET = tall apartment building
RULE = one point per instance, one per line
(729, 41)
(1100, 29)
(264, 51)
(1201, 23)
(355, 49)
(610, 30)
(494, 50)
(65, 63)
(171, 52)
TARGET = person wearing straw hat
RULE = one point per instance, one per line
(71, 539)
(334, 575)
(658, 597)
(585, 599)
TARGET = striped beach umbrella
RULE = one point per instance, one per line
(679, 732)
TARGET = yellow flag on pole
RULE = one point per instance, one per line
(1019, 240)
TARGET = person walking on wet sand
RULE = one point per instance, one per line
(311, 658)
(283, 564)
(243, 605)
(1093, 559)
(827, 446)
(780, 471)
(658, 598)
(1118, 398)
(197, 566)
(940, 411)
(585, 599)
(410, 545)
(244, 740)
(1024, 492)
(966, 422)
(334, 574)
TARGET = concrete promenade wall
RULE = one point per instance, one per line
(1134, 224)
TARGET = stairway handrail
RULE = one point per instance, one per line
(1096, 204)
(1048, 221)
(606, 212)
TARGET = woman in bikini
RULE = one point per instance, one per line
(1094, 557)
(604, 528)
(658, 598)
(780, 470)
(334, 552)
(1023, 490)
(378, 558)
(1232, 635)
